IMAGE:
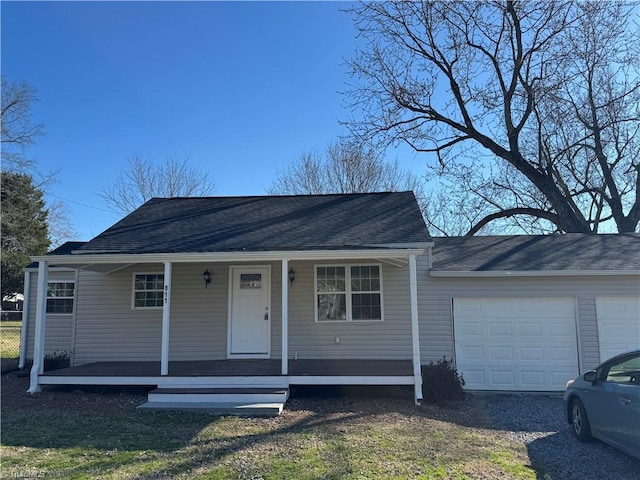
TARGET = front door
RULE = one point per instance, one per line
(250, 312)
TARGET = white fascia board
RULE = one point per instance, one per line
(51, 267)
(420, 245)
(102, 258)
(536, 273)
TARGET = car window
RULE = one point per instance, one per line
(625, 370)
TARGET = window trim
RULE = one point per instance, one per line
(348, 292)
(133, 290)
(73, 298)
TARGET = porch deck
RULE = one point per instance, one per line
(334, 371)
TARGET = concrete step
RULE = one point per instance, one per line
(220, 395)
(242, 409)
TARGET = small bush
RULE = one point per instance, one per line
(441, 382)
(57, 360)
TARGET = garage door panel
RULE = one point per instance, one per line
(530, 329)
(562, 330)
(532, 379)
(525, 306)
(470, 329)
(495, 329)
(504, 379)
(561, 375)
(531, 354)
(501, 354)
(558, 307)
(474, 376)
(563, 355)
(514, 343)
(618, 319)
(471, 353)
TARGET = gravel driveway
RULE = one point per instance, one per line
(538, 422)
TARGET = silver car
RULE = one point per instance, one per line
(605, 403)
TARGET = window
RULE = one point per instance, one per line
(60, 298)
(346, 294)
(331, 292)
(250, 281)
(625, 370)
(148, 290)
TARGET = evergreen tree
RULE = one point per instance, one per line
(24, 228)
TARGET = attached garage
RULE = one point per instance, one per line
(515, 343)
(618, 320)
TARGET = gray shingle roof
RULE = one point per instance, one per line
(572, 251)
(264, 223)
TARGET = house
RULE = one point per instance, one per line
(195, 294)
(254, 291)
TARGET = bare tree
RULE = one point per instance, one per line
(143, 180)
(530, 110)
(344, 168)
(18, 130)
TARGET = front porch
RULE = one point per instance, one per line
(258, 372)
(235, 387)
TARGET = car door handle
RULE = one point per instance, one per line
(624, 401)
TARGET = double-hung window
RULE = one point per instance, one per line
(348, 293)
(148, 289)
(60, 298)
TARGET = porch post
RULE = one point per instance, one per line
(166, 320)
(285, 316)
(25, 319)
(415, 331)
(39, 336)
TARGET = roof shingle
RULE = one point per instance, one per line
(264, 223)
(573, 251)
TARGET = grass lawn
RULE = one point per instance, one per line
(86, 434)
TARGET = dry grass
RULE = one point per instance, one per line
(86, 434)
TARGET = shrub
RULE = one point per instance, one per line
(441, 382)
(57, 360)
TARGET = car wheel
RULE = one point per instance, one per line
(580, 421)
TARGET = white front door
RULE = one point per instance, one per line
(250, 312)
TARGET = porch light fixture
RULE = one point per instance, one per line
(292, 276)
(207, 278)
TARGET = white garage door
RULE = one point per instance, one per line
(526, 344)
(618, 324)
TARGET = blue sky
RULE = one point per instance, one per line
(241, 88)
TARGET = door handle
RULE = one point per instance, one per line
(624, 401)
(266, 316)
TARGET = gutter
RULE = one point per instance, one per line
(533, 273)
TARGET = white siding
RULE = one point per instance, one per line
(107, 329)
(198, 329)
